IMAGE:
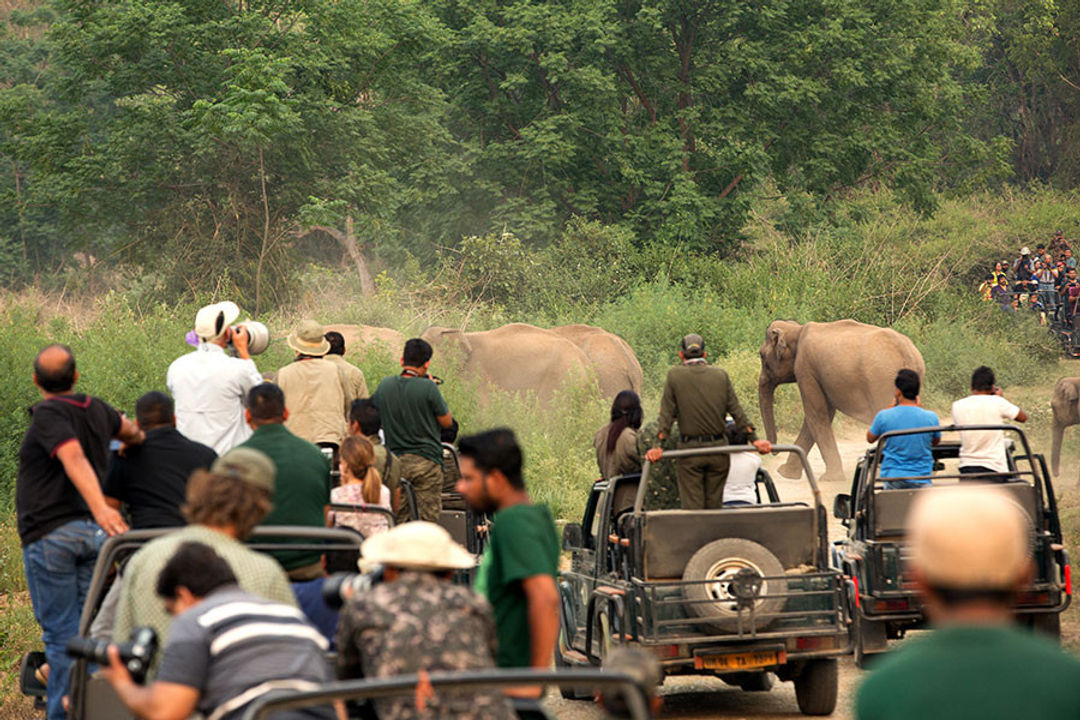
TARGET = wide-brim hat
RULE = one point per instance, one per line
(417, 545)
(969, 538)
(212, 320)
(308, 339)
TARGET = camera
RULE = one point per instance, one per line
(339, 587)
(136, 654)
(258, 335)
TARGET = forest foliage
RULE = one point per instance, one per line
(217, 145)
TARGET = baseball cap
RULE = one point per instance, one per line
(247, 464)
(212, 320)
(693, 346)
(969, 538)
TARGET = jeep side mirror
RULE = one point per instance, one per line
(841, 507)
(572, 536)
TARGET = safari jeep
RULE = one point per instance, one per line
(874, 551)
(735, 592)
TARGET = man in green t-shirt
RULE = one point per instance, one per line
(970, 555)
(412, 410)
(303, 477)
(517, 571)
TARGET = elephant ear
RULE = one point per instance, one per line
(459, 338)
(778, 343)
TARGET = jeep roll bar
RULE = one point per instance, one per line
(643, 483)
(487, 679)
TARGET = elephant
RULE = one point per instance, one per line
(1064, 403)
(843, 365)
(363, 336)
(616, 366)
(516, 358)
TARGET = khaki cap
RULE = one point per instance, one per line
(693, 346)
(417, 545)
(248, 464)
(308, 339)
(969, 538)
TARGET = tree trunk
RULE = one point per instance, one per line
(266, 235)
(352, 249)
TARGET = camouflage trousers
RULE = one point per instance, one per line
(427, 479)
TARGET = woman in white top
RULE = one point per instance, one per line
(741, 485)
(361, 485)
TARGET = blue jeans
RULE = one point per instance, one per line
(906, 484)
(58, 571)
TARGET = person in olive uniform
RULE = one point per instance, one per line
(700, 397)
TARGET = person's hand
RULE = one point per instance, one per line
(110, 520)
(654, 454)
(763, 446)
(240, 340)
(115, 673)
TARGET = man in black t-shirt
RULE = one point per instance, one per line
(151, 479)
(62, 514)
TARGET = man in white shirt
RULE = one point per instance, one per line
(741, 486)
(983, 451)
(209, 386)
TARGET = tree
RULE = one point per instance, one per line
(668, 113)
(208, 127)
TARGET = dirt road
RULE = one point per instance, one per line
(702, 697)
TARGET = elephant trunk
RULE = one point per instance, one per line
(765, 403)
(1055, 446)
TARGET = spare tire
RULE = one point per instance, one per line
(744, 563)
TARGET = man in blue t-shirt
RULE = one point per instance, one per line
(905, 456)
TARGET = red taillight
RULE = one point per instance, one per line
(855, 582)
(1068, 579)
(890, 605)
(665, 651)
(1033, 598)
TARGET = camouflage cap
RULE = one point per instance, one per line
(249, 465)
(693, 346)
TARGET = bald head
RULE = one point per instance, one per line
(54, 369)
(969, 539)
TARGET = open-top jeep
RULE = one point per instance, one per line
(91, 697)
(735, 592)
(874, 551)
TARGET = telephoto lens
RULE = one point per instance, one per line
(137, 654)
(339, 587)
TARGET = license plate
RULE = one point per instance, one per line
(740, 661)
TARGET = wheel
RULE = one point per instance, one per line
(869, 641)
(1046, 625)
(569, 692)
(738, 566)
(817, 686)
(760, 681)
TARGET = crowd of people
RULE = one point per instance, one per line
(226, 451)
(229, 451)
(1044, 282)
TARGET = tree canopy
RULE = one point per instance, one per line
(207, 142)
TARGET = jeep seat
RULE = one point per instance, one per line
(671, 537)
(891, 506)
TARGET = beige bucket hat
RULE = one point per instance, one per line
(417, 545)
(969, 538)
(307, 339)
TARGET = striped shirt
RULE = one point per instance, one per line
(234, 641)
